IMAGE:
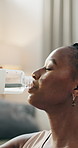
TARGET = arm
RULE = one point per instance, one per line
(17, 142)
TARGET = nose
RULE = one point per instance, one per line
(37, 74)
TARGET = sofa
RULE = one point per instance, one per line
(16, 119)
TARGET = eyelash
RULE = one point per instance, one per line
(48, 69)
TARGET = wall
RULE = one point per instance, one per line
(75, 20)
(21, 41)
(21, 28)
(26, 39)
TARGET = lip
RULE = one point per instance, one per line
(33, 87)
(32, 90)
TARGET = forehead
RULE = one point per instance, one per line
(60, 55)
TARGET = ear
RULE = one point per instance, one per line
(75, 91)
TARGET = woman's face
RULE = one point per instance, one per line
(53, 82)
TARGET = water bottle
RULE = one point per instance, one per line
(14, 81)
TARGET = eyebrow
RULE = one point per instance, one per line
(52, 60)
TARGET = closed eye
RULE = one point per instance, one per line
(48, 69)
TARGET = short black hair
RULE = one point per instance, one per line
(74, 59)
(75, 45)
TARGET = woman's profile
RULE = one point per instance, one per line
(54, 90)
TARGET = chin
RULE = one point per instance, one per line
(35, 101)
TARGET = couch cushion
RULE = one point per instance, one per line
(16, 119)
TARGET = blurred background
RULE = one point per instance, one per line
(29, 31)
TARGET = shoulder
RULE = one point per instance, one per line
(18, 141)
(27, 139)
(37, 139)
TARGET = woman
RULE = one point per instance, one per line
(55, 90)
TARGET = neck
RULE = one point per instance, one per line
(64, 124)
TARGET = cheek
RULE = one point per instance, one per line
(56, 81)
(55, 89)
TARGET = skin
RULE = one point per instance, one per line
(56, 71)
(53, 91)
(54, 94)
